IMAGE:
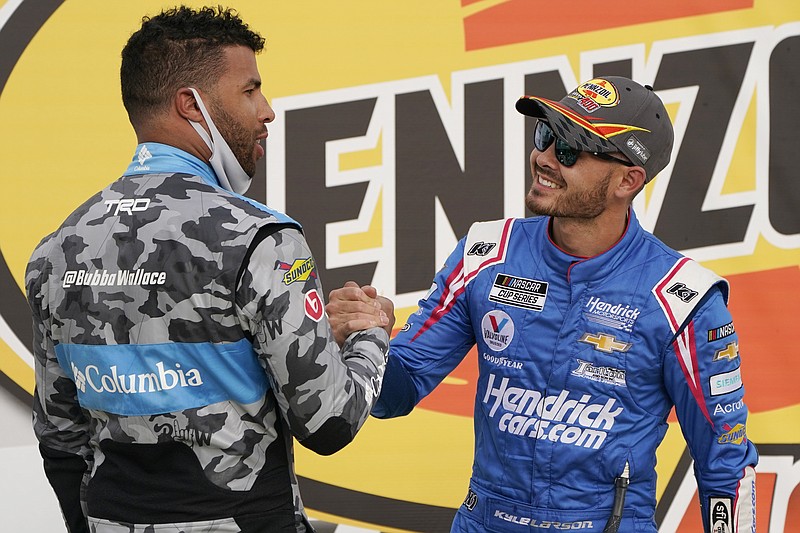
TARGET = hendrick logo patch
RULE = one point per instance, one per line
(615, 315)
(519, 292)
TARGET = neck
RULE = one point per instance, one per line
(179, 134)
(589, 237)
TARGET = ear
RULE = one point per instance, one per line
(633, 180)
(186, 105)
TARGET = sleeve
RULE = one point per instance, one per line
(324, 393)
(702, 374)
(431, 344)
(58, 421)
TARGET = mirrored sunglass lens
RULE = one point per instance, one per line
(542, 136)
(565, 154)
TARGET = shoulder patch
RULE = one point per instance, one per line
(682, 288)
(486, 245)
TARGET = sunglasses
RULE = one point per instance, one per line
(543, 137)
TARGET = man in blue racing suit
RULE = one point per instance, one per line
(589, 330)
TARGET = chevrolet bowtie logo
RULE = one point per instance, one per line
(731, 351)
(605, 343)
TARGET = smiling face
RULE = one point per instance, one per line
(239, 109)
(577, 191)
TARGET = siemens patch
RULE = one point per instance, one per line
(519, 292)
(725, 383)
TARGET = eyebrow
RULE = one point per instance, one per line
(253, 82)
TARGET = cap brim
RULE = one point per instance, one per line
(567, 124)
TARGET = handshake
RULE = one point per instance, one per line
(353, 308)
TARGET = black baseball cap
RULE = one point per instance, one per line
(610, 114)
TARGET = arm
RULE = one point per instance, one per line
(431, 344)
(713, 415)
(58, 421)
(324, 393)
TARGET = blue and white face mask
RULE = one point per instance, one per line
(229, 171)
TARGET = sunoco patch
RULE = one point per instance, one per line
(519, 292)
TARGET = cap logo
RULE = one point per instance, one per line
(596, 93)
(637, 148)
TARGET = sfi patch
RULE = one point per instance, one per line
(720, 514)
(519, 292)
(498, 330)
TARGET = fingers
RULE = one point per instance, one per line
(352, 292)
(352, 308)
(387, 310)
(370, 291)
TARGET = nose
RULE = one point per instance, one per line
(546, 159)
(266, 113)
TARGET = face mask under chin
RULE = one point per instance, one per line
(229, 171)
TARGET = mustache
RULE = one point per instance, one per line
(548, 174)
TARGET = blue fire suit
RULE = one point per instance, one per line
(580, 362)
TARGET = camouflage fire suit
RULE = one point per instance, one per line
(180, 343)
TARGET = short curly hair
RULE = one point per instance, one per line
(180, 47)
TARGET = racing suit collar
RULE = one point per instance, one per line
(157, 158)
(577, 269)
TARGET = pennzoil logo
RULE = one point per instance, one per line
(605, 343)
(299, 270)
(596, 93)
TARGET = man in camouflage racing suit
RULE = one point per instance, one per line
(180, 336)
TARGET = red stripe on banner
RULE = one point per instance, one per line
(519, 21)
